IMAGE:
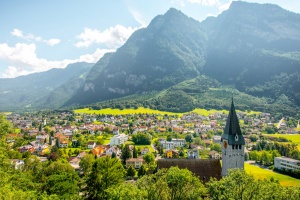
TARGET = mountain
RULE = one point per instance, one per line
(250, 51)
(250, 45)
(170, 50)
(254, 48)
(26, 91)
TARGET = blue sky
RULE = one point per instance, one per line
(37, 35)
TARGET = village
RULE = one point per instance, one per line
(149, 137)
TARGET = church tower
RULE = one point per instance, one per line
(232, 143)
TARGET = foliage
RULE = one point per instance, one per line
(131, 171)
(106, 172)
(217, 147)
(86, 163)
(126, 153)
(149, 158)
(141, 138)
(142, 171)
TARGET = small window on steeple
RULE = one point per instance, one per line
(236, 137)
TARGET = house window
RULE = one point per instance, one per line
(232, 146)
(240, 146)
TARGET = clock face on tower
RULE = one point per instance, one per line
(225, 144)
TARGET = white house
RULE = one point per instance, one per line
(193, 153)
(217, 139)
(178, 142)
(286, 163)
(113, 149)
(118, 139)
(91, 145)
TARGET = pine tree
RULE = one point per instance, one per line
(125, 154)
(57, 142)
(142, 171)
(134, 153)
(113, 155)
(131, 171)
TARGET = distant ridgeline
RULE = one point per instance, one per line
(177, 64)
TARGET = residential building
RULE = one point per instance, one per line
(193, 153)
(118, 139)
(284, 163)
(91, 145)
(135, 162)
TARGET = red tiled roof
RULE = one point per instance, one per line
(204, 169)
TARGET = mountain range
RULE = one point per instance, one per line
(250, 51)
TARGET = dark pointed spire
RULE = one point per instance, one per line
(232, 131)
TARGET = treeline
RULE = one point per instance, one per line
(288, 150)
(178, 99)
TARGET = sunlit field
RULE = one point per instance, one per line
(295, 138)
(142, 110)
(260, 173)
(110, 111)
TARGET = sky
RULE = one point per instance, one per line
(37, 35)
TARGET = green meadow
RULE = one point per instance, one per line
(110, 111)
(295, 138)
(260, 173)
(142, 110)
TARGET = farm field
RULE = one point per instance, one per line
(295, 138)
(142, 110)
(260, 173)
(110, 111)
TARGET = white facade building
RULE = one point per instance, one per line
(286, 163)
(118, 139)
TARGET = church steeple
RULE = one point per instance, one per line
(232, 143)
(232, 131)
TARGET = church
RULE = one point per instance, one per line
(232, 154)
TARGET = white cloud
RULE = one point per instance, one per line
(53, 42)
(30, 37)
(205, 2)
(112, 37)
(23, 60)
(224, 6)
(138, 17)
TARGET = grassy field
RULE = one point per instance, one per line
(260, 173)
(110, 111)
(142, 110)
(295, 138)
(6, 113)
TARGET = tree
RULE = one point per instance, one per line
(183, 185)
(86, 163)
(189, 138)
(125, 154)
(169, 138)
(40, 127)
(61, 179)
(149, 158)
(131, 171)
(217, 147)
(141, 138)
(5, 129)
(239, 185)
(57, 143)
(126, 191)
(113, 155)
(106, 172)
(134, 153)
(142, 171)
(47, 129)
